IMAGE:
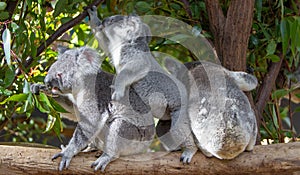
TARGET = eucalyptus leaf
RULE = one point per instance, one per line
(6, 38)
(3, 5)
(15, 97)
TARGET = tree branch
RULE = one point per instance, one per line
(187, 8)
(271, 159)
(62, 29)
(267, 86)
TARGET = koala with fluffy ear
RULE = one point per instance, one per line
(116, 129)
(127, 40)
(222, 120)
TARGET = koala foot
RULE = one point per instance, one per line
(102, 162)
(65, 158)
(187, 155)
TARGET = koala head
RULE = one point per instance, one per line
(71, 64)
(126, 29)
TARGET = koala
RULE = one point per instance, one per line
(126, 39)
(116, 129)
(222, 120)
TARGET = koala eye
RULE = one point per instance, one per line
(58, 75)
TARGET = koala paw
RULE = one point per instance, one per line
(102, 162)
(92, 11)
(187, 155)
(36, 88)
(65, 158)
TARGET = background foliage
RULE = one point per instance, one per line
(25, 30)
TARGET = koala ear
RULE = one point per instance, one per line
(61, 49)
(245, 81)
(90, 55)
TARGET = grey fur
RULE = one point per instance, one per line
(222, 120)
(127, 39)
(116, 129)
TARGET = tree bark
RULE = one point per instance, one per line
(231, 33)
(271, 159)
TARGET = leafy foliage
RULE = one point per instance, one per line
(276, 32)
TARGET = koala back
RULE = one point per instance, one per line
(221, 116)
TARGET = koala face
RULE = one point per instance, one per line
(71, 62)
(125, 29)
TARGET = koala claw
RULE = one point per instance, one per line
(186, 156)
(92, 11)
(65, 160)
(101, 162)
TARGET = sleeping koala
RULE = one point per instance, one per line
(222, 120)
(125, 39)
(118, 130)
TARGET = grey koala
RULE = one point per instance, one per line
(116, 129)
(222, 120)
(125, 39)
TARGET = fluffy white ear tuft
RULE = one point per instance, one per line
(245, 81)
(90, 55)
(88, 60)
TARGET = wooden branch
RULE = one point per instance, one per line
(267, 85)
(270, 159)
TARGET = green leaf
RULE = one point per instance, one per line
(56, 106)
(41, 105)
(175, 6)
(297, 109)
(43, 97)
(50, 123)
(26, 87)
(271, 48)
(142, 6)
(279, 93)
(273, 58)
(28, 105)
(258, 7)
(6, 38)
(4, 16)
(3, 5)
(60, 7)
(33, 47)
(9, 77)
(284, 30)
(16, 97)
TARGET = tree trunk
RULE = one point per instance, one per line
(271, 159)
(231, 33)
